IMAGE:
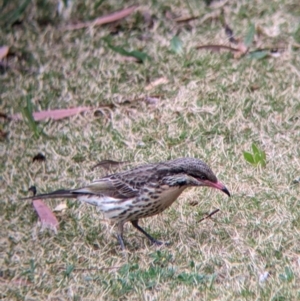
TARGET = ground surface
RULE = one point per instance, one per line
(211, 106)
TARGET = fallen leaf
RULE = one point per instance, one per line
(28, 117)
(61, 207)
(118, 15)
(249, 36)
(139, 55)
(3, 52)
(157, 82)
(53, 114)
(176, 45)
(46, 216)
(260, 54)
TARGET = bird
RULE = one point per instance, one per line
(142, 191)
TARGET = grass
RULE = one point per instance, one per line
(213, 107)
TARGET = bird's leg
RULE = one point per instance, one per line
(153, 240)
(120, 235)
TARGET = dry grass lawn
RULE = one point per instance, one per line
(211, 106)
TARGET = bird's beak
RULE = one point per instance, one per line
(218, 185)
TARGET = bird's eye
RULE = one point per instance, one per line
(199, 177)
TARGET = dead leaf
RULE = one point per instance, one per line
(53, 114)
(157, 82)
(3, 52)
(45, 214)
(118, 15)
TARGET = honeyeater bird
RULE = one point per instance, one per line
(141, 192)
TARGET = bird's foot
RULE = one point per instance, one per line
(121, 241)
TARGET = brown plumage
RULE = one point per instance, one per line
(142, 191)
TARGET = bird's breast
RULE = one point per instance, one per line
(168, 196)
(151, 201)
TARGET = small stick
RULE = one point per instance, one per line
(208, 216)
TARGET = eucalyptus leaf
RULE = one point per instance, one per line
(27, 115)
(259, 54)
(250, 35)
(176, 45)
(139, 55)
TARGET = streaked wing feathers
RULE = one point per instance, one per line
(109, 187)
(126, 184)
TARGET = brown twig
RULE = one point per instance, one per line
(118, 15)
(208, 216)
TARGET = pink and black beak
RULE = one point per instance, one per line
(217, 185)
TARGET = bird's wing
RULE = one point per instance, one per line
(123, 185)
(115, 188)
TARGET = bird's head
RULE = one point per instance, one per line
(199, 171)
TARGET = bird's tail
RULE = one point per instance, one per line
(53, 195)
